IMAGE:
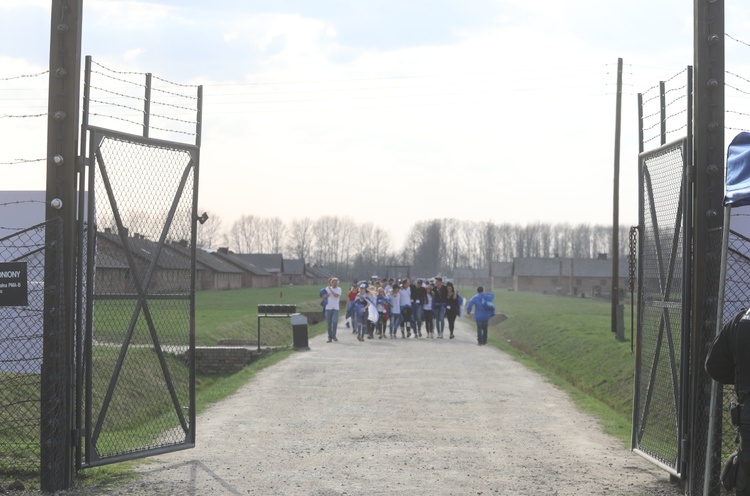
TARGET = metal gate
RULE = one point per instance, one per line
(659, 404)
(137, 367)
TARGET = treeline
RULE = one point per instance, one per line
(431, 247)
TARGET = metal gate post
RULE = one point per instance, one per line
(62, 131)
(708, 187)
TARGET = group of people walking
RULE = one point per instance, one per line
(383, 308)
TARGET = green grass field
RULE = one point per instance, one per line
(567, 339)
(234, 315)
(218, 315)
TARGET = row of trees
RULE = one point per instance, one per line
(431, 247)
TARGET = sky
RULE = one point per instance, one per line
(389, 112)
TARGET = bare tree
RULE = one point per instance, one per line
(471, 246)
(300, 242)
(209, 232)
(423, 247)
(544, 233)
(381, 249)
(563, 240)
(328, 242)
(506, 239)
(366, 256)
(274, 231)
(346, 241)
(243, 235)
(520, 241)
(601, 240)
(452, 242)
(581, 246)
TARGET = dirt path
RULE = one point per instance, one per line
(409, 417)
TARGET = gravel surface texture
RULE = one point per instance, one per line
(398, 417)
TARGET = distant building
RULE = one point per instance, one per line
(572, 276)
(568, 276)
(252, 275)
(211, 272)
(167, 271)
(273, 263)
(502, 275)
(471, 277)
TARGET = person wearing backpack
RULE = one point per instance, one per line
(483, 307)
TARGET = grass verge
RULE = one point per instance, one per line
(569, 341)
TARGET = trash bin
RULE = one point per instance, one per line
(299, 332)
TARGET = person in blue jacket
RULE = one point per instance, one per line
(485, 309)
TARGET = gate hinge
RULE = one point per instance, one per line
(83, 161)
(76, 435)
(685, 448)
(690, 173)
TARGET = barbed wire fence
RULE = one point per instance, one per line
(130, 102)
(22, 239)
(664, 118)
(142, 104)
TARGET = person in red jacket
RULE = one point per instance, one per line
(353, 292)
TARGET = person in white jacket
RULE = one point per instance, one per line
(332, 297)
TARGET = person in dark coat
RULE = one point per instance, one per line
(453, 305)
(418, 300)
(439, 300)
(728, 362)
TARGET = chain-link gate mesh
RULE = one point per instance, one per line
(657, 402)
(21, 350)
(139, 376)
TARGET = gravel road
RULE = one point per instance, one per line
(398, 417)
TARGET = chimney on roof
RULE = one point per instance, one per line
(223, 250)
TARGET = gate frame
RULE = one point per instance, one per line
(87, 457)
(681, 398)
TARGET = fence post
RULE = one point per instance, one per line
(708, 177)
(62, 139)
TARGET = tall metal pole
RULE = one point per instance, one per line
(617, 328)
(708, 187)
(58, 337)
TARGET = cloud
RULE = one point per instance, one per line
(23, 4)
(134, 53)
(132, 16)
(500, 109)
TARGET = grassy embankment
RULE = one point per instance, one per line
(569, 340)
